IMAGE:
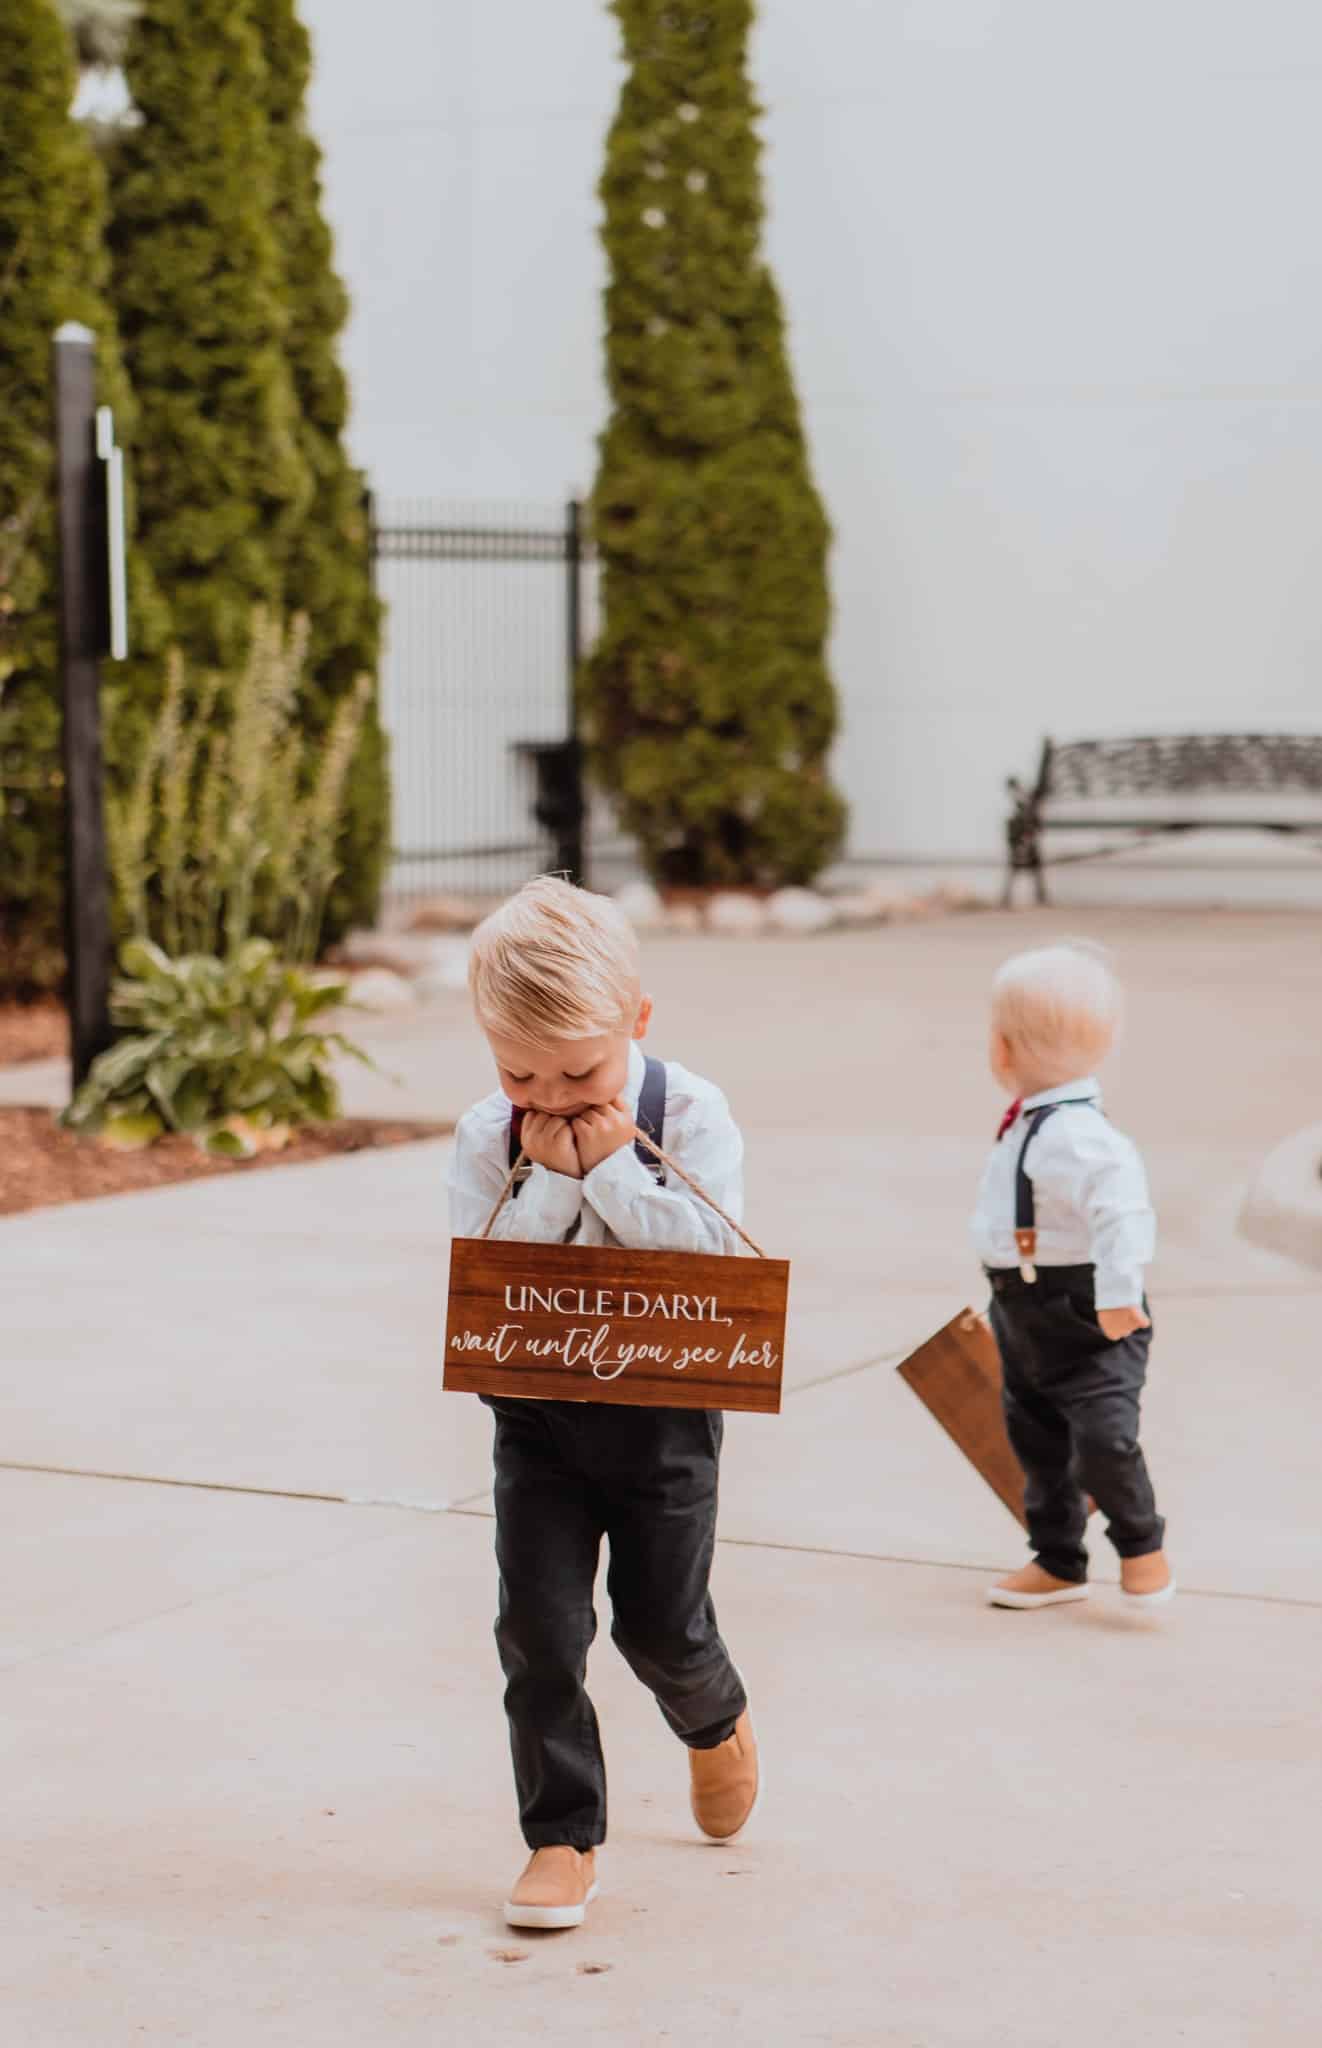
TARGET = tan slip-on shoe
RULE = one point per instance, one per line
(1148, 1580)
(555, 1890)
(1034, 1587)
(724, 1782)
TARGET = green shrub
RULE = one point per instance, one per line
(199, 290)
(52, 269)
(231, 313)
(230, 825)
(708, 708)
(328, 565)
(228, 1051)
(223, 855)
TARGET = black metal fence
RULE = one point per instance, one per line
(488, 611)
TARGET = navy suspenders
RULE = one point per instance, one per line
(650, 1119)
(1025, 1207)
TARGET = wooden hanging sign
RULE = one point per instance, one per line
(572, 1322)
(957, 1376)
(563, 1322)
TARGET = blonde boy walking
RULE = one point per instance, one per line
(1065, 1230)
(556, 987)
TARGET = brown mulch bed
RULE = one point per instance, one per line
(32, 1031)
(41, 1165)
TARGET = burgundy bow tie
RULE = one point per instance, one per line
(1011, 1117)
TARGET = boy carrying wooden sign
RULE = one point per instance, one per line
(600, 1308)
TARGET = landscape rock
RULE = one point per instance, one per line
(449, 957)
(377, 988)
(955, 896)
(735, 916)
(642, 905)
(799, 911)
(897, 906)
(444, 914)
(397, 952)
(447, 972)
(856, 908)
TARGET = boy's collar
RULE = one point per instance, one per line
(1086, 1090)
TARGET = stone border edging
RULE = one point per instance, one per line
(428, 956)
(786, 913)
(1282, 1211)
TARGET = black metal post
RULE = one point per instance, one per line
(369, 524)
(83, 630)
(570, 843)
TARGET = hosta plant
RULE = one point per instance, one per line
(233, 1051)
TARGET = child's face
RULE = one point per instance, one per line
(570, 1076)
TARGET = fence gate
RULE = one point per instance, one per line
(485, 623)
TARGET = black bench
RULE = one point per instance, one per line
(1142, 789)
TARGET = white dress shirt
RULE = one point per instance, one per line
(618, 1202)
(1089, 1190)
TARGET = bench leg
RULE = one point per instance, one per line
(1023, 854)
(1040, 893)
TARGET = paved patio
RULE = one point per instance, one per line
(256, 1766)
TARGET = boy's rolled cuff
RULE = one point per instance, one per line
(1118, 1287)
(550, 1199)
(615, 1186)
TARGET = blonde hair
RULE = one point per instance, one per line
(555, 962)
(1060, 1006)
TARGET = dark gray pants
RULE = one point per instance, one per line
(567, 1474)
(1071, 1408)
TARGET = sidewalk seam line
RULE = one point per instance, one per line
(77, 1644)
(466, 1508)
(948, 1564)
(189, 1485)
(845, 1372)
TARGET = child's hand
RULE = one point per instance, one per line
(1122, 1322)
(549, 1141)
(599, 1132)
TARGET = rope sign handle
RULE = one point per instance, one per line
(666, 1161)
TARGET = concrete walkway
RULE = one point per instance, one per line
(256, 1772)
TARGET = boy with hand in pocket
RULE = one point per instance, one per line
(555, 981)
(1065, 1229)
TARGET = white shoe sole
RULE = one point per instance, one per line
(1157, 1599)
(1004, 1596)
(548, 1916)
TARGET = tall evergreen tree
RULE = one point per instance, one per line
(328, 568)
(708, 706)
(199, 289)
(52, 269)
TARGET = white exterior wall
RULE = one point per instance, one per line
(1053, 271)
